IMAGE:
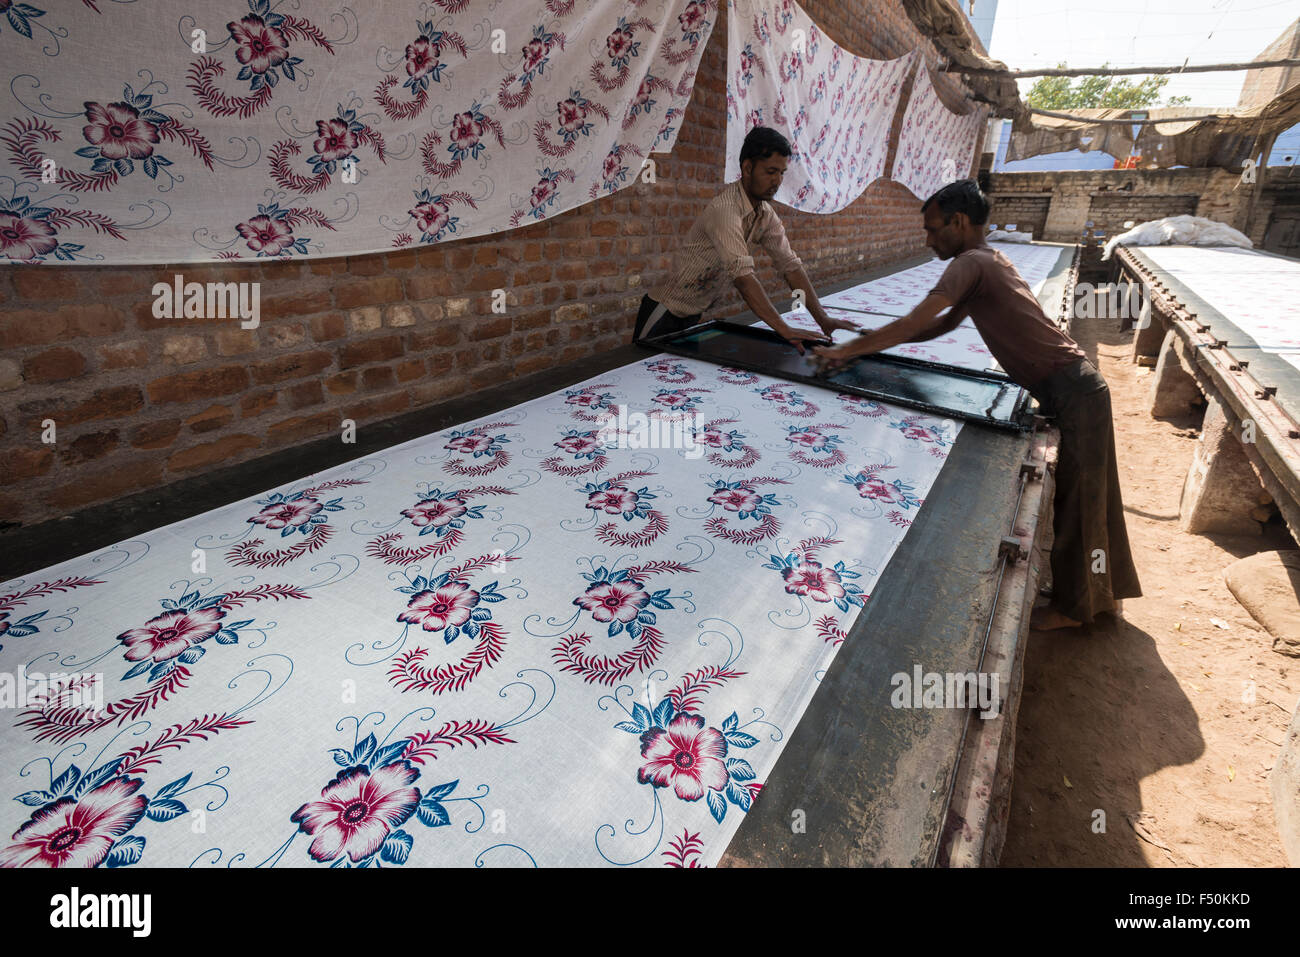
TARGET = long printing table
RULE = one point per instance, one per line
(1223, 324)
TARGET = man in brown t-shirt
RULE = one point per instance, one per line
(1091, 563)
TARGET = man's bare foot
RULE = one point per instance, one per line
(1048, 618)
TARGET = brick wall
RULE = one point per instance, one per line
(140, 402)
(1027, 213)
(1111, 197)
(1109, 212)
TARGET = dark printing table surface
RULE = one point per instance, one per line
(988, 398)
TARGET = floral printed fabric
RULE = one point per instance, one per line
(527, 640)
(835, 108)
(1220, 275)
(176, 131)
(897, 293)
(936, 146)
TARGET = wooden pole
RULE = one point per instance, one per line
(1123, 71)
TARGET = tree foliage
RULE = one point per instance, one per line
(1099, 92)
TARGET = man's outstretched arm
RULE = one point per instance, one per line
(752, 292)
(921, 323)
(798, 280)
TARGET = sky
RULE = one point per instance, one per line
(1084, 33)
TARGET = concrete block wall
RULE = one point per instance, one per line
(140, 402)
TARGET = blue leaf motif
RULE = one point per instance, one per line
(171, 790)
(432, 814)
(740, 769)
(641, 715)
(435, 794)
(739, 739)
(101, 775)
(364, 750)
(125, 852)
(717, 805)
(190, 655)
(164, 810)
(35, 798)
(397, 848)
(663, 715)
(389, 753)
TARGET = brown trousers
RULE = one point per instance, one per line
(1092, 566)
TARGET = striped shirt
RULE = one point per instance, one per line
(717, 251)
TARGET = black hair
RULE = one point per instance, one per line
(963, 196)
(761, 142)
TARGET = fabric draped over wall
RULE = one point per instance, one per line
(835, 108)
(936, 146)
(308, 130)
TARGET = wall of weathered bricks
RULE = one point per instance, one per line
(1111, 197)
(140, 402)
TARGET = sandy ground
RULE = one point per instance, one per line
(1146, 718)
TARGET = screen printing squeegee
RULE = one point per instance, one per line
(985, 398)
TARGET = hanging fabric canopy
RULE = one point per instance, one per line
(936, 146)
(152, 133)
(1226, 141)
(835, 108)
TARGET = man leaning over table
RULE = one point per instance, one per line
(717, 251)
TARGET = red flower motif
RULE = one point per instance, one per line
(713, 438)
(4, 624)
(736, 499)
(542, 192)
(260, 47)
(811, 579)
(336, 139)
(265, 234)
(358, 810)
(609, 600)
(468, 444)
(282, 514)
(435, 610)
(691, 18)
(169, 634)
(615, 501)
(77, 832)
(672, 398)
(687, 755)
(612, 165)
(583, 398)
(435, 513)
(534, 53)
(25, 239)
(642, 92)
(776, 395)
(880, 491)
(809, 439)
(466, 130)
(430, 218)
(571, 115)
(118, 131)
(918, 432)
(577, 444)
(421, 57)
(616, 43)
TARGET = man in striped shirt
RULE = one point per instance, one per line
(717, 251)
